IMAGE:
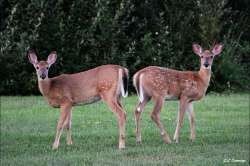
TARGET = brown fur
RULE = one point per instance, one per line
(67, 90)
(80, 88)
(162, 84)
(158, 81)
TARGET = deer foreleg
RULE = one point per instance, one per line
(191, 117)
(68, 127)
(182, 107)
(65, 110)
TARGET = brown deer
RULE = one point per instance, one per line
(107, 82)
(160, 84)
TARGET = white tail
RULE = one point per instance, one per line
(138, 86)
(162, 84)
(105, 82)
(123, 74)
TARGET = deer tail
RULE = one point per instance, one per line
(137, 81)
(123, 79)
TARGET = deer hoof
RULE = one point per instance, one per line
(192, 139)
(166, 138)
(69, 142)
(138, 142)
(55, 146)
(176, 140)
(121, 146)
(167, 141)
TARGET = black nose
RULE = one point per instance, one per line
(206, 64)
(43, 76)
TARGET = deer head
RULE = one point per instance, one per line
(207, 56)
(42, 67)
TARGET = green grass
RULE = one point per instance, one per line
(28, 129)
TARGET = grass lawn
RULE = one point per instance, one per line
(28, 129)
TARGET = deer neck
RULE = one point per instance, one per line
(205, 75)
(44, 86)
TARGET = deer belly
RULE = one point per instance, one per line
(54, 103)
(89, 100)
(171, 97)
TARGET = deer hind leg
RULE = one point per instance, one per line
(191, 117)
(115, 106)
(139, 109)
(65, 110)
(122, 121)
(182, 107)
(68, 127)
(119, 101)
(155, 115)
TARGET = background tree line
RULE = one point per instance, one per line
(132, 33)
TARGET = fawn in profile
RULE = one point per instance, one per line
(107, 82)
(160, 84)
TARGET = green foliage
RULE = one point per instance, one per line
(28, 128)
(134, 34)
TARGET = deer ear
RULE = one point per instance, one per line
(51, 58)
(217, 49)
(32, 57)
(197, 49)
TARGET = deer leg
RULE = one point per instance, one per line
(121, 116)
(155, 115)
(65, 109)
(191, 117)
(119, 102)
(139, 109)
(182, 108)
(68, 127)
(122, 121)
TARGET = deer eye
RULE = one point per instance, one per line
(37, 67)
(212, 57)
(47, 68)
(201, 56)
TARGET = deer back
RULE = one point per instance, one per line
(81, 88)
(169, 83)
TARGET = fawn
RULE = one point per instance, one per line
(160, 84)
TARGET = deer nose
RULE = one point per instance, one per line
(206, 64)
(43, 76)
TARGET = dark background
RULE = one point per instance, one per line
(131, 33)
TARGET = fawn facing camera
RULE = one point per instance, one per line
(160, 84)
